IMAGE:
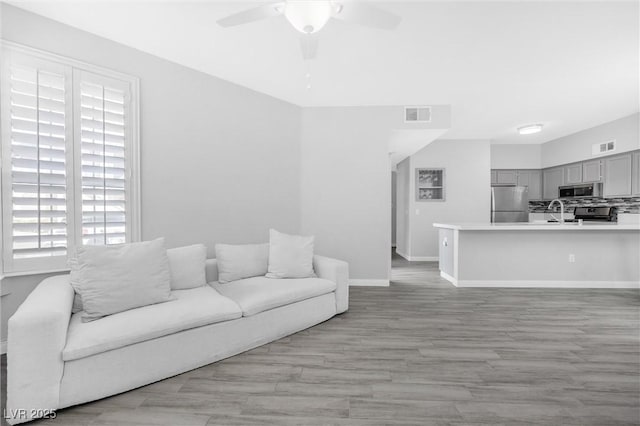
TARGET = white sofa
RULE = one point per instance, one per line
(56, 361)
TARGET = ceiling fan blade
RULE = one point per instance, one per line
(251, 15)
(364, 14)
(309, 46)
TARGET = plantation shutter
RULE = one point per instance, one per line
(69, 155)
(102, 109)
(36, 177)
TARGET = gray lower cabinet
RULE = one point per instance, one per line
(552, 179)
(635, 174)
(494, 176)
(573, 174)
(592, 171)
(617, 176)
(533, 180)
(506, 177)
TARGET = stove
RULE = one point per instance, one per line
(593, 214)
(602, 214)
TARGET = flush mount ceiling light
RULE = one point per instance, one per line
(530, 129)
(309, 16)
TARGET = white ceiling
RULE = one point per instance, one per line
(569, 65)
(405, 143)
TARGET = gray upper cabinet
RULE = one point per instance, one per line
(620, 175)
(535, 185)
(533, 180)
(573, 174)
(592, 171)
(524, 178)
(635, 174)
(552, 179)
(617, 176)
(506, 177)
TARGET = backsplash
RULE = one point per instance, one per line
(624, 205)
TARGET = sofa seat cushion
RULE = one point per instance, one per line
(191, 308)
(258, 294)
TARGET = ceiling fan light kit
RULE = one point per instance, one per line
(310, 16)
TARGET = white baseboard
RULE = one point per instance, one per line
(418, 258)
(3, 347)
(424, 258)
(547, 284)
(399, 253)
(369, 283)
(539, 283)
(449, 278)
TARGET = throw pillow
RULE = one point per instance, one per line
(188, 266)
(236, 262)
(290, 256)
(112, 279)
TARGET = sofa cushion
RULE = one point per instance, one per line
(290, 256)
(187, 266)
(258, 294)
(116, 278)
(191, 308)
(238, 261)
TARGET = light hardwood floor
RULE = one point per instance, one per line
(419, 352)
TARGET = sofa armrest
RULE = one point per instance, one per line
(36, 337)
(338, 272)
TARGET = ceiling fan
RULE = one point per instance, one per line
(309, 16)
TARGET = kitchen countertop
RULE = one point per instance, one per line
(539, 226)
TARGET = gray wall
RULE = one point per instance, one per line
(516, 156)
(346, 190)
(468, 191)
(403, 204)
(220, 162)
(577, 146)
(568, 149)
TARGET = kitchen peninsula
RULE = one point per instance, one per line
(530, 254)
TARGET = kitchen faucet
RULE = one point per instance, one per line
(561, 210)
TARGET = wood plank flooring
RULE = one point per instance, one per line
(419, 352)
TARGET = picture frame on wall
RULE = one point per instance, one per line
(430, 185)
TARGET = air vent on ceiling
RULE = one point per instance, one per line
(417, 114)
(603, 147)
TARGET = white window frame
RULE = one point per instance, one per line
(72, 69)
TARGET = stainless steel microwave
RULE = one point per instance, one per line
(587, 190)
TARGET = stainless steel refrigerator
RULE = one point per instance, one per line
(509, 204)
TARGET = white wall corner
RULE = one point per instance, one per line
(449, 278)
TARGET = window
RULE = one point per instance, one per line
(69, 159)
